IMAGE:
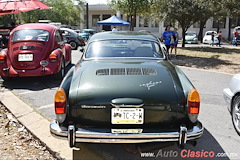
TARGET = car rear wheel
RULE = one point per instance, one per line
(62, 71)
(236, 114)
(73, 45)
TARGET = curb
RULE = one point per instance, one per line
(39, 127)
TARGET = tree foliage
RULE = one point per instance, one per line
(131, 8)
(62, 11)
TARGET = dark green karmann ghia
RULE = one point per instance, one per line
(124, 90)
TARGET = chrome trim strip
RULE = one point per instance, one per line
(123, 105)
(83, 135)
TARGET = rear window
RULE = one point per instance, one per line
(123, 48)
(31, 34)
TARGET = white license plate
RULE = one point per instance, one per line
(25, 57)
(127, 115)
(117, 131)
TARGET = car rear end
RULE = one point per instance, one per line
(126, 99)
(29, 54)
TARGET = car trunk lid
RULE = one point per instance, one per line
(102, 88)
(27, 55)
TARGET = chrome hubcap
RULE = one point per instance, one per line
(73, 45)
(236, 117)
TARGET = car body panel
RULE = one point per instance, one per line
(207, 39)
(97, 86)
(39, 48)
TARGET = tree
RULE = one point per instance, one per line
(63, 11)
(185, 12)
(233, 9)
(131, 8)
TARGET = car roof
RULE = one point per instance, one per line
(44, 26)
(122, 35)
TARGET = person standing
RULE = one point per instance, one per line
(114, 29)
(219, 38)
(213, 35)
(235, 37)
(166, 38)
(174, 45)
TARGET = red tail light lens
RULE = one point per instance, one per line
(53, 57)
(193, 102)
(2, 58)
(60, 102)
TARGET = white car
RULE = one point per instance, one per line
(207, 39)
(232, 97)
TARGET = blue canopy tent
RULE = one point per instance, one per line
(114, 20)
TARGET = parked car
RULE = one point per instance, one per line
(35, 50)
(84, 34)
(90, 31)
(207, 39)
(124, 90)
(191, 37)
(232, 98)
(72, 38)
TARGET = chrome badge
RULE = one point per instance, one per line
(150, 84)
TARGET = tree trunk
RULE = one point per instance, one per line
(229, 29)
(183, 36)
(200, 34)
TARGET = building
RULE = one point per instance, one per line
(98, 12)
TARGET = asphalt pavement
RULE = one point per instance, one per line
(219, 136)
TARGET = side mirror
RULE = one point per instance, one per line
(82, 50)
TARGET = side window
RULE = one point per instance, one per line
(58, 37)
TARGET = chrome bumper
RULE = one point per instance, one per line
(228, 95)
(84, 135)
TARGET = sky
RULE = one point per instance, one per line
(96, 1)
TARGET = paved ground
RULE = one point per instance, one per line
(219, 136)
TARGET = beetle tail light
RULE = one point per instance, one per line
(60, 102)
(53, 57)
(2, 58)
(193, 102)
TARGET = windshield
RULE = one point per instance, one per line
(31, 34)
(124, 48)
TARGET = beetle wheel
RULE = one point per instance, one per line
(236, 114)
(73, 45)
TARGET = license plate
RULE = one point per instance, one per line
(25, 57)
(127, 115)
(117, 131)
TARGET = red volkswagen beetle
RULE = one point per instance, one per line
(35, 50)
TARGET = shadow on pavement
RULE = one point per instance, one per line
(200, 62)
(214, 49)
(33, 83)
(207, 143)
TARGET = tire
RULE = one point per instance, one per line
(236, 114)
(73, 45)
(62, 72)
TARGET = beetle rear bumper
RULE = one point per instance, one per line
(85, 135)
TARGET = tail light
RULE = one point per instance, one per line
(53, 57)
(193, 102)
(2, 58)
(60, 102)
